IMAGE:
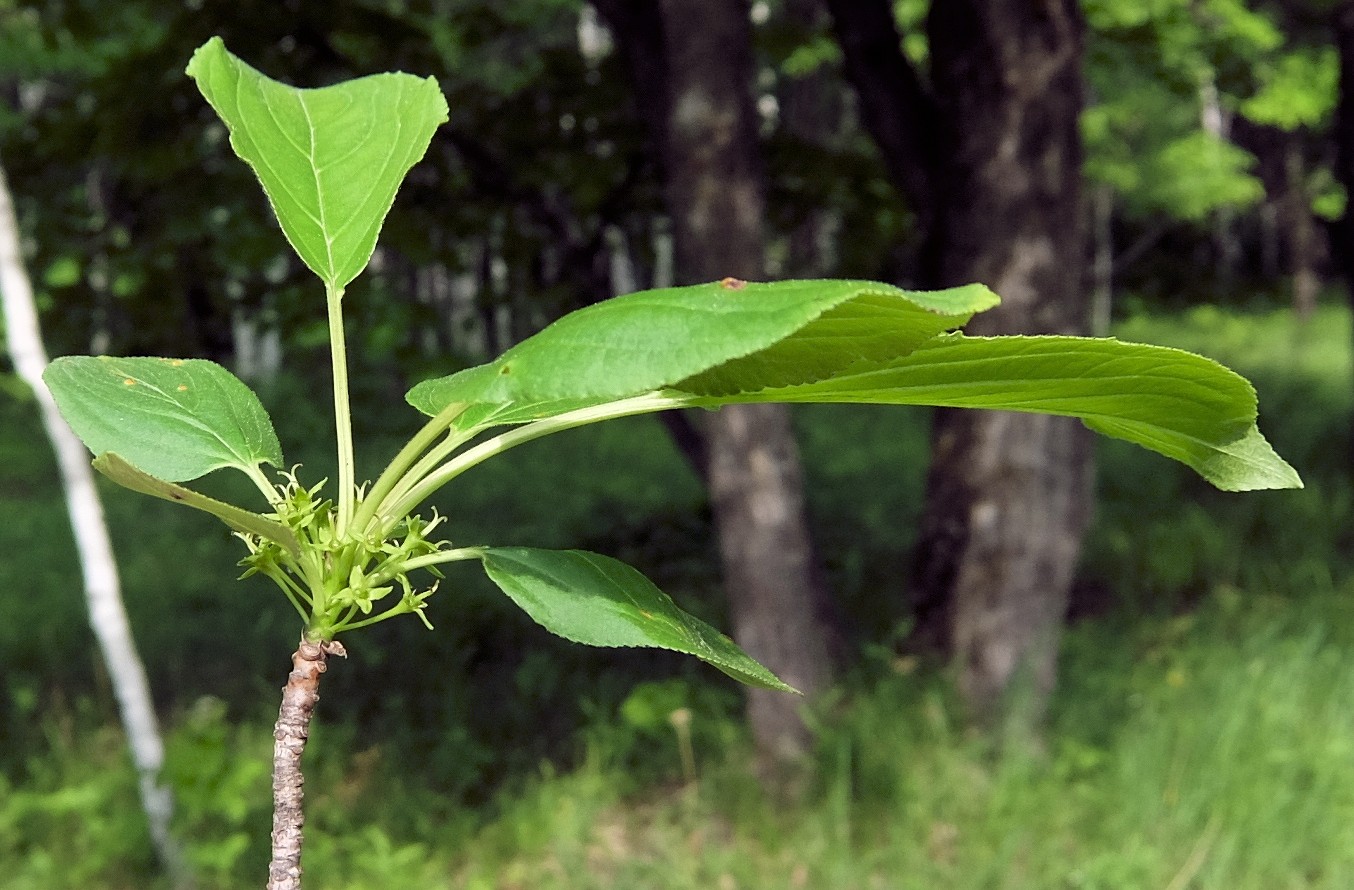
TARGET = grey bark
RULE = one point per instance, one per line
(107, 615)
(715, 191)
(290, 735)
(1008, 496)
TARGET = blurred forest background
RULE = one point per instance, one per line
(1126, 680)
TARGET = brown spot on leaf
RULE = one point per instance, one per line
(128, 382)
(732, 283)
(183, 388)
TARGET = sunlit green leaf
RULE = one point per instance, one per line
(728, 335)
(330, 159)
(175, 419)
(1176, 403)
(596, 600)
(846, 341)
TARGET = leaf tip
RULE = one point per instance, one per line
(214, 46)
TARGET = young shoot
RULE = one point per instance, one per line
(330, 161)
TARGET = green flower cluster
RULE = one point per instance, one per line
(336, 582)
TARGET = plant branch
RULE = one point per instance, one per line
(425, 465)
(395, 472)
(432, 559)
(642, 404)
(290, 735)
(270, 492)
(343, 421)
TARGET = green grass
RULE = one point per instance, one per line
(1202, 735)
(1211, 750)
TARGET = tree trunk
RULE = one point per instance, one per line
(1342, 22)
(1008, 496)
(1303, 247)
(715, 189)
(1102, 263)
(1291, 232)
(1216, 121)
(107, 616)
(996, 145)
(895, 107)
(811, 113)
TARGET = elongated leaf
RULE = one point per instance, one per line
(593, 599)
(128, 476)
(330, 159)
(1179, 404)
(847, 341)
(175, 419)
(727, 336)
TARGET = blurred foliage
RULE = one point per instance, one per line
(144, 234)
(1151, 67)
(141, 225)
(1204, 120)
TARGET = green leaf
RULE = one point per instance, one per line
(851, 341)
(128, 476)
(330, 159)
(175, 419)
(600, 601)
(727, 336)
(1179, 404)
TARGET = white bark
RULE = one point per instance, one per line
(106, 613)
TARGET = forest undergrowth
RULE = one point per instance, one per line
(1202, 734)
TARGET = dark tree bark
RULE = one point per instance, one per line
(1342, 232)
(1008, 496)
(1343, 25)
(1282, 166)
(895, 106)
(811, 113)
(692, 62)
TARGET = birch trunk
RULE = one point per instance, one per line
(107, 616)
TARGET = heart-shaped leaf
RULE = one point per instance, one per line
(596, 600)
(1179, 404)
(175, 419)
(330, 159)
(128, 476)
(730, 336)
